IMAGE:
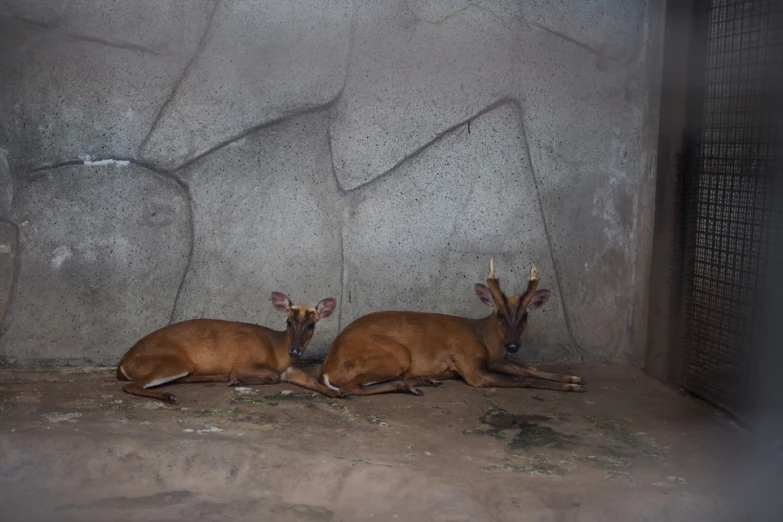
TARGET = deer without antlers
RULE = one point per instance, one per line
(398, 351)
(210, 350)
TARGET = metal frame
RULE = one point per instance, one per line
(719, 198)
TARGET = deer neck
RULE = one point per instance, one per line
(489, 334)
(281, 340)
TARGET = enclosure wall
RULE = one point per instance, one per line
(184, 158)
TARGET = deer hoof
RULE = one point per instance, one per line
(170, 398)
(416, 391)
(438, 384)
(578, 389)
(342, 395)
(578, 380)
(234, 382)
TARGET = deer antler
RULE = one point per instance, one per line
(532, 284)
(494, 285)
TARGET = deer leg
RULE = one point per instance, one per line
(202, 378)
(512, 368)
(428, 381)
(252, 375)
(137, 389)
(397, 385)
(380, 371)
(480, 378)
(300, 378)
(149, 373)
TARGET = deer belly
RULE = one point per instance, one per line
(439, 371)
(444, 375)
(215, 364)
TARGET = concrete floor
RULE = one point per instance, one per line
(74, 447)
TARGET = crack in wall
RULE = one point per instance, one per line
(37, 24)
(117, 45)
(312, 109)
(53, 29)
(576, 349)
(188, 263)
(244, 134)
(342, 265)
(343, 200)
(302, 111)
(56, 22)
(351, 46)
(471, 7)
(199, 48)
(454, 225)
(633, 56)
(573, 40)
(434, 140)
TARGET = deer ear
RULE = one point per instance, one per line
(326, 307)
(539, 298)
(484, 295)
(281, 302)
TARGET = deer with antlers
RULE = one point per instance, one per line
(398, 351)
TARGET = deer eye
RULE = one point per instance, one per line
(288, 324)
(310, 326)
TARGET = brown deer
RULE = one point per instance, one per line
(210, 350)
(398, 351)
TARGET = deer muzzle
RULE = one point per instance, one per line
(512, 347)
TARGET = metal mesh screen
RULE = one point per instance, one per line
(728, 198)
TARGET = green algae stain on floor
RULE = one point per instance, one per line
(536, 465)
(626, 442)
(219, 412)
(532, 435)
(529, 433)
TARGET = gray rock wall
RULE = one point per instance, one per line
(166, 160)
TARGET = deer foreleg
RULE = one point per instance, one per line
(253, 375)
(296, 376)
(512, 368)
(480, 378)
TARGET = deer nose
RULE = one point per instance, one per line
(512, 347)
(294, 352)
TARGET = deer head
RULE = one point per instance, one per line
(300, 322)
(510, 313)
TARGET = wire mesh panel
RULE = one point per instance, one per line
(728, 198)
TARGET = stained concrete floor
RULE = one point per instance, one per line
(74, 447)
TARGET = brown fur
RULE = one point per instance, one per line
(211, 350)
(397, 351)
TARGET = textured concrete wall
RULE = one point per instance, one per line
(184, 158)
